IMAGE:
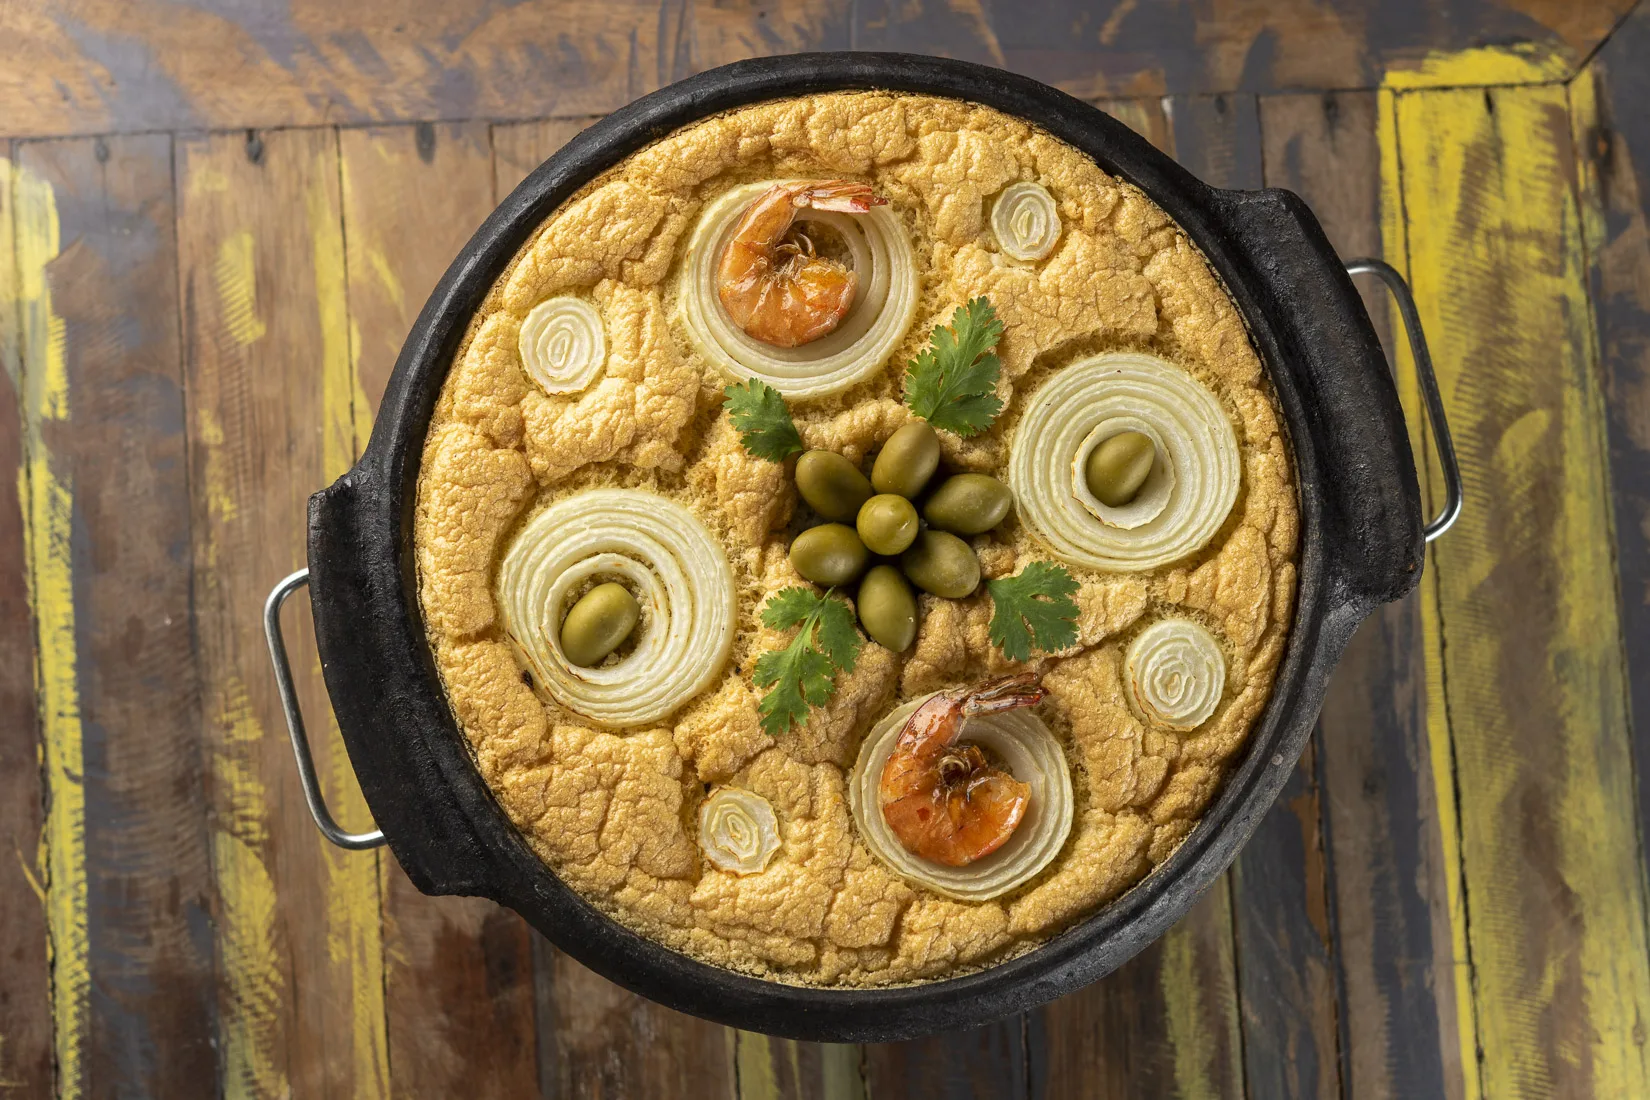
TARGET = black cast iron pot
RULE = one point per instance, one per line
(1361, 544)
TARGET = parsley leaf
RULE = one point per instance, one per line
(953, 383)
(765, 426)
(1038, 598)
(801, 675)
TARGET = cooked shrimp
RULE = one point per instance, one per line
(770, 279)
(946, 802)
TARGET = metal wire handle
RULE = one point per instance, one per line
(295, 722)
(1433, 400)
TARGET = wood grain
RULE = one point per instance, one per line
(1529, 646)
(271, 419)
(769, 1068)
(520, 147)
(125, 65)
(26, 1043)
(1612, 137)
(1391, 924)
(458, 972)
(985, 1061)
(118, 450)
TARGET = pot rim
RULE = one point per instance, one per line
(1351, 455)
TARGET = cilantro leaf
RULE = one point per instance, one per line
(953, 383)
(765, 426)
(802, 675)
(1033, 608)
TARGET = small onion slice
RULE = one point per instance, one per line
(881, 314)
(1028, 750)
(1026, 221)
(1176, 673)
(1188, 494)
(674, 566)
(738, 831)
(562, 344)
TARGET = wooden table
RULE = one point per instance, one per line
(219, 220)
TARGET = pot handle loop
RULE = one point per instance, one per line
(1399, 289)
(295, 721)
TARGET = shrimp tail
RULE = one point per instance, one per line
(1008, 693)
(839, 196)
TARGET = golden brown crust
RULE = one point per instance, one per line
(614, 812)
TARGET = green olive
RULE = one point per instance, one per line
(596, 626)
(942, 564)
(907, 461)
(887, 523)
(887, 609)
(968, 504)
(1117, 468)
(829, 554)
(831, 485)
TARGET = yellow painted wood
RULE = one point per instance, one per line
(1523, 631)
(1517, 63)
(1455, 1003)
(47, 493)
(1198, 977)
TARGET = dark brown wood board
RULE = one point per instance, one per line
(127, 65)
(26, 1008)
(458, 972)
(271, 419)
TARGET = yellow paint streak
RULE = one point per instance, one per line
(754, 1061)
(1519, 63)
(248, 926)
(1187, 996)
(354, 924)
(48, 505)
(1441, 753)
(235, 275)
(1553, 890)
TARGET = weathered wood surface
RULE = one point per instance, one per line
(101, 66)
(1450, 898)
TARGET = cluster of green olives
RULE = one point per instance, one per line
(878, 515)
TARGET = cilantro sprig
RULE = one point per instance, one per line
(765, 426)
(802, 674)
(953, 383)
(1033, 608)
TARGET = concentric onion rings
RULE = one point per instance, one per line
(1028, 750)
(738, 831)
(1179, 509)
(562, 344)
(674, 566)
(1176, 673)
(1026, 221)
(882, 311)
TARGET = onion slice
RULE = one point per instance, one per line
(669, 560)
(738, 831)
(881, 314)
(1176, 673)
(562, 344)
(1026, 221)
(1188, 494)
(1027, 749)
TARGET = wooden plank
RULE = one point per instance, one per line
(458, 972)
(1389, 904)
(1612, 137)
(520, 147)
(1166, 1024)
(606, 1041)
(768, 1069)
(1094, 50)
(116, 447)
(271, 420)
(1528, 619)
(125, 65)
(959, 1065)
(1285, 974)
(26, 1043)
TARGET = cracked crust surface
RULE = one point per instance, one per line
(614, 812)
